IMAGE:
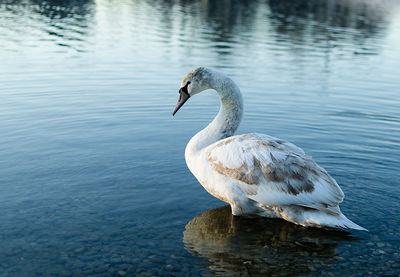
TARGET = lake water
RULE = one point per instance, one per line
(93, 179)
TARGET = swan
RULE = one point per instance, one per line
(256, 173)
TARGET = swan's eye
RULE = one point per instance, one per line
(185, 88)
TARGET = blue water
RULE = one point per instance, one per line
(92, 173)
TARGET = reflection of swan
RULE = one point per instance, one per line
(259, 246)
(254, 173)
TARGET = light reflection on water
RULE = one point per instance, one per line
(92, 172)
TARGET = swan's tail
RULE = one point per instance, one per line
(348, 224)
(311, 217)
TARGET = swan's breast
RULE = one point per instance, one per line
(214, 183)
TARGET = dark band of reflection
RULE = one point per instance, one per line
(225, 23)
(254, 246)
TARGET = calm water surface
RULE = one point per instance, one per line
(92, 173)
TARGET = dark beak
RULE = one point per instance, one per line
(183, 97)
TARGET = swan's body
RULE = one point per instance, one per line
(256, 173)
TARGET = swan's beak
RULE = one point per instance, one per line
(183, 97)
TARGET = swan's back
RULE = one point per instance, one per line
(274, 172)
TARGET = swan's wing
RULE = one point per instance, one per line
(274, 172)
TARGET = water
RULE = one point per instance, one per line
(92, 173)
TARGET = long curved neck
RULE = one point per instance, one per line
(228, 118)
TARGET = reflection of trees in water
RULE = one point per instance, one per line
(67, 20)
(54, 9)
(229, 17)
(300, 21)
(254, 246)
(319, 19)
(225, 23)
(334, 13)
(58, 9)
(62, 22)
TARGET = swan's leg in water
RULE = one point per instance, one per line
(241, 204)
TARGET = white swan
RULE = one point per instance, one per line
(256, 173)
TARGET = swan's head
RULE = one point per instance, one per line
(194, 82)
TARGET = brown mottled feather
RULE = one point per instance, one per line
(292, 173)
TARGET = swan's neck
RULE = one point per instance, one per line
(228, 118)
